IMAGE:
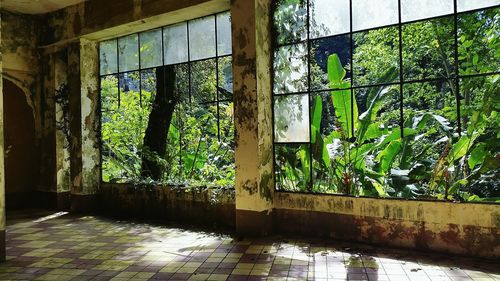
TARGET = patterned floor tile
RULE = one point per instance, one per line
(60, 246)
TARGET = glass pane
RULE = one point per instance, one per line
(327, 152)
(202, 38)
(431, 97)
(203, 81)
(428, 49)
(122, 129)
(466, 5)
(292, 167)
(422, 9)
(290, 69)
(199, 142)
(369, 14)
(128, 53)
(291, 118)
(225, 86)
(176, 43)
(430, 121)
(479, 42)
(378, 133)
(380, 106)
(109, 92)
(224, 44)
(224, 159)
(321, 50)
(329, 17)
(148, 84)
(172, 173)
(290, 18)
(480, 123)
(376, 56)
(479, 96)
(182, 82)
(130, 107)
(111, 171)
(108, 57)
(151, 49)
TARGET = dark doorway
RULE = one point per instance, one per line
(21, 168)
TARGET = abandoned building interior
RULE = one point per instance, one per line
(250, 140)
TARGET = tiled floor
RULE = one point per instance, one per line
(67, 247)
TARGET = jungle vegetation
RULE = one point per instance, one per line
(364, 114)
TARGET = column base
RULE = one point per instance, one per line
(252, 223)
(3, 255)
(83, 203)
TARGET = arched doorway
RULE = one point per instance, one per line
(21, 168)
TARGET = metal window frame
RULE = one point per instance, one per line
(141, 70)
(456, 75)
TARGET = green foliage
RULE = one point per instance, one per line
(362, 143)
(194, 156)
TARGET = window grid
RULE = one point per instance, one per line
(141, 70)
(402, 81)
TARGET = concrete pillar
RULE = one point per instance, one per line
(83, 82)
(62, 129)
(2, 161)
(253, 114)
(89, 67)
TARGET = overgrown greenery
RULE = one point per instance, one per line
(380, 141)
(194, 154)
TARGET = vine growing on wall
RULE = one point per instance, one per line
(62, 99)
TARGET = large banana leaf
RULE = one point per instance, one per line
(320, 153)
(376, 96)
(344, 103)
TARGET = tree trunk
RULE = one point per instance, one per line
(155, 138)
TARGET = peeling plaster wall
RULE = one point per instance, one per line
(62, 122)
(21, 58)
(459, 228)
(89, 63)
(2, 175)
(98, 20)
(75, 117)
(204, 206)
(48, 181)
(21, 67)
(253, 152)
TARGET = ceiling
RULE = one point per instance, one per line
(36, 6)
